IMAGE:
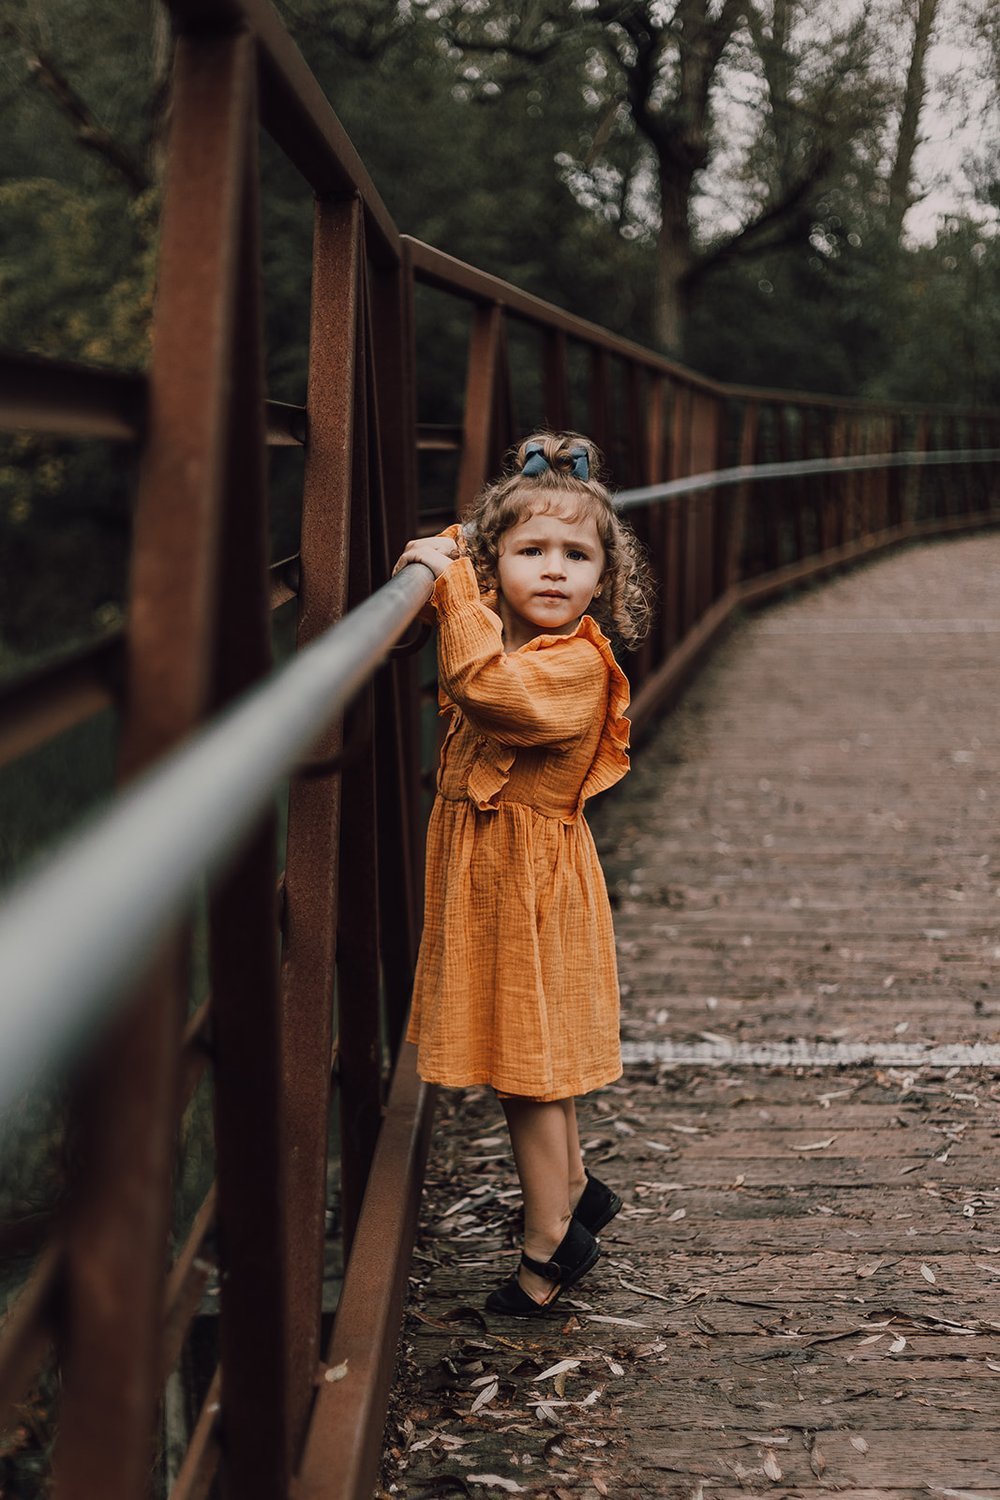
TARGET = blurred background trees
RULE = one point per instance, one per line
(737, 182)
(644, 162)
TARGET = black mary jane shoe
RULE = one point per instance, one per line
(598, 1204)
(573, 1257)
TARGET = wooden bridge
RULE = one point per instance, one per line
(272, 1394)
(802, 1293)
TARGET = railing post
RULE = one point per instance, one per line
(599, 398)
(397, 711)
(654, 469)
(250, 1100)
(738, 509)
(118, 1240)
(308, 955)
(556, 381)
(672, 623)
(488, 419)
(358, 971)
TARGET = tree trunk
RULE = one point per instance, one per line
(900, 178)
(674, 256)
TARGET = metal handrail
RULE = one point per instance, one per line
(75, 933)
(113, 890)
(717, 478)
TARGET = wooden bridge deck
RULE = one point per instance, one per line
(803, 1291)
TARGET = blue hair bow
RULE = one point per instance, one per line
(536, 463)
(581, 464)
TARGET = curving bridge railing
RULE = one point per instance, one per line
(313, 921)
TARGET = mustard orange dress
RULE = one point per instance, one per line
(516, 983)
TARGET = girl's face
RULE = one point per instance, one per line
(549, 565)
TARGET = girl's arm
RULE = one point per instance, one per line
(535, 696)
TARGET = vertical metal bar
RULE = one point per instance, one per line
(672, 624)
(812, 447)
(636, 416)
(654, 470)
(599, 398)
(738, 510)
(117, 1243)
(308, 956)
(556, 381)
(480, 400)
(246, 1011)
(853, 482)
(396, 884)
(794, 448)
(502, 431)
(839, 494)
(702, 456)
(342, 1455)
(358, 970)
(394, 352)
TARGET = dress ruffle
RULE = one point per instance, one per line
(490, 771)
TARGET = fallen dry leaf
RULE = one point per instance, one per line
(562, 1368)
(772, 1468)
(642, 1291)
(860, 1444)
(497, 1482)
(816, 1145)
(621, 1322)
(898, 1345)
(928, 1275)
(486, 1395)
(870, 1268)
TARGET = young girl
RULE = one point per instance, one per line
(516, 983)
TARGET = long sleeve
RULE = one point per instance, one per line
(546, 693)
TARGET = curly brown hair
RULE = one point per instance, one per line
(623, 606)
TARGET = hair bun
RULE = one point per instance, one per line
(560, 452)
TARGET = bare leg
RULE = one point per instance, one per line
(538, 1134)
(574, 1157)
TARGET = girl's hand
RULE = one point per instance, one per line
(435, 552)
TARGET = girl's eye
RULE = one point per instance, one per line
(575, 556)
(529, 551)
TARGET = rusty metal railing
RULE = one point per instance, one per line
(312, 934)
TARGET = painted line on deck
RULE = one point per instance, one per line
(876, 626)
(813, 1054)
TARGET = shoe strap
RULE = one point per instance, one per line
(550, 1269)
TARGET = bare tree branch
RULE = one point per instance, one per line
(782, 223)
(89, 132)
